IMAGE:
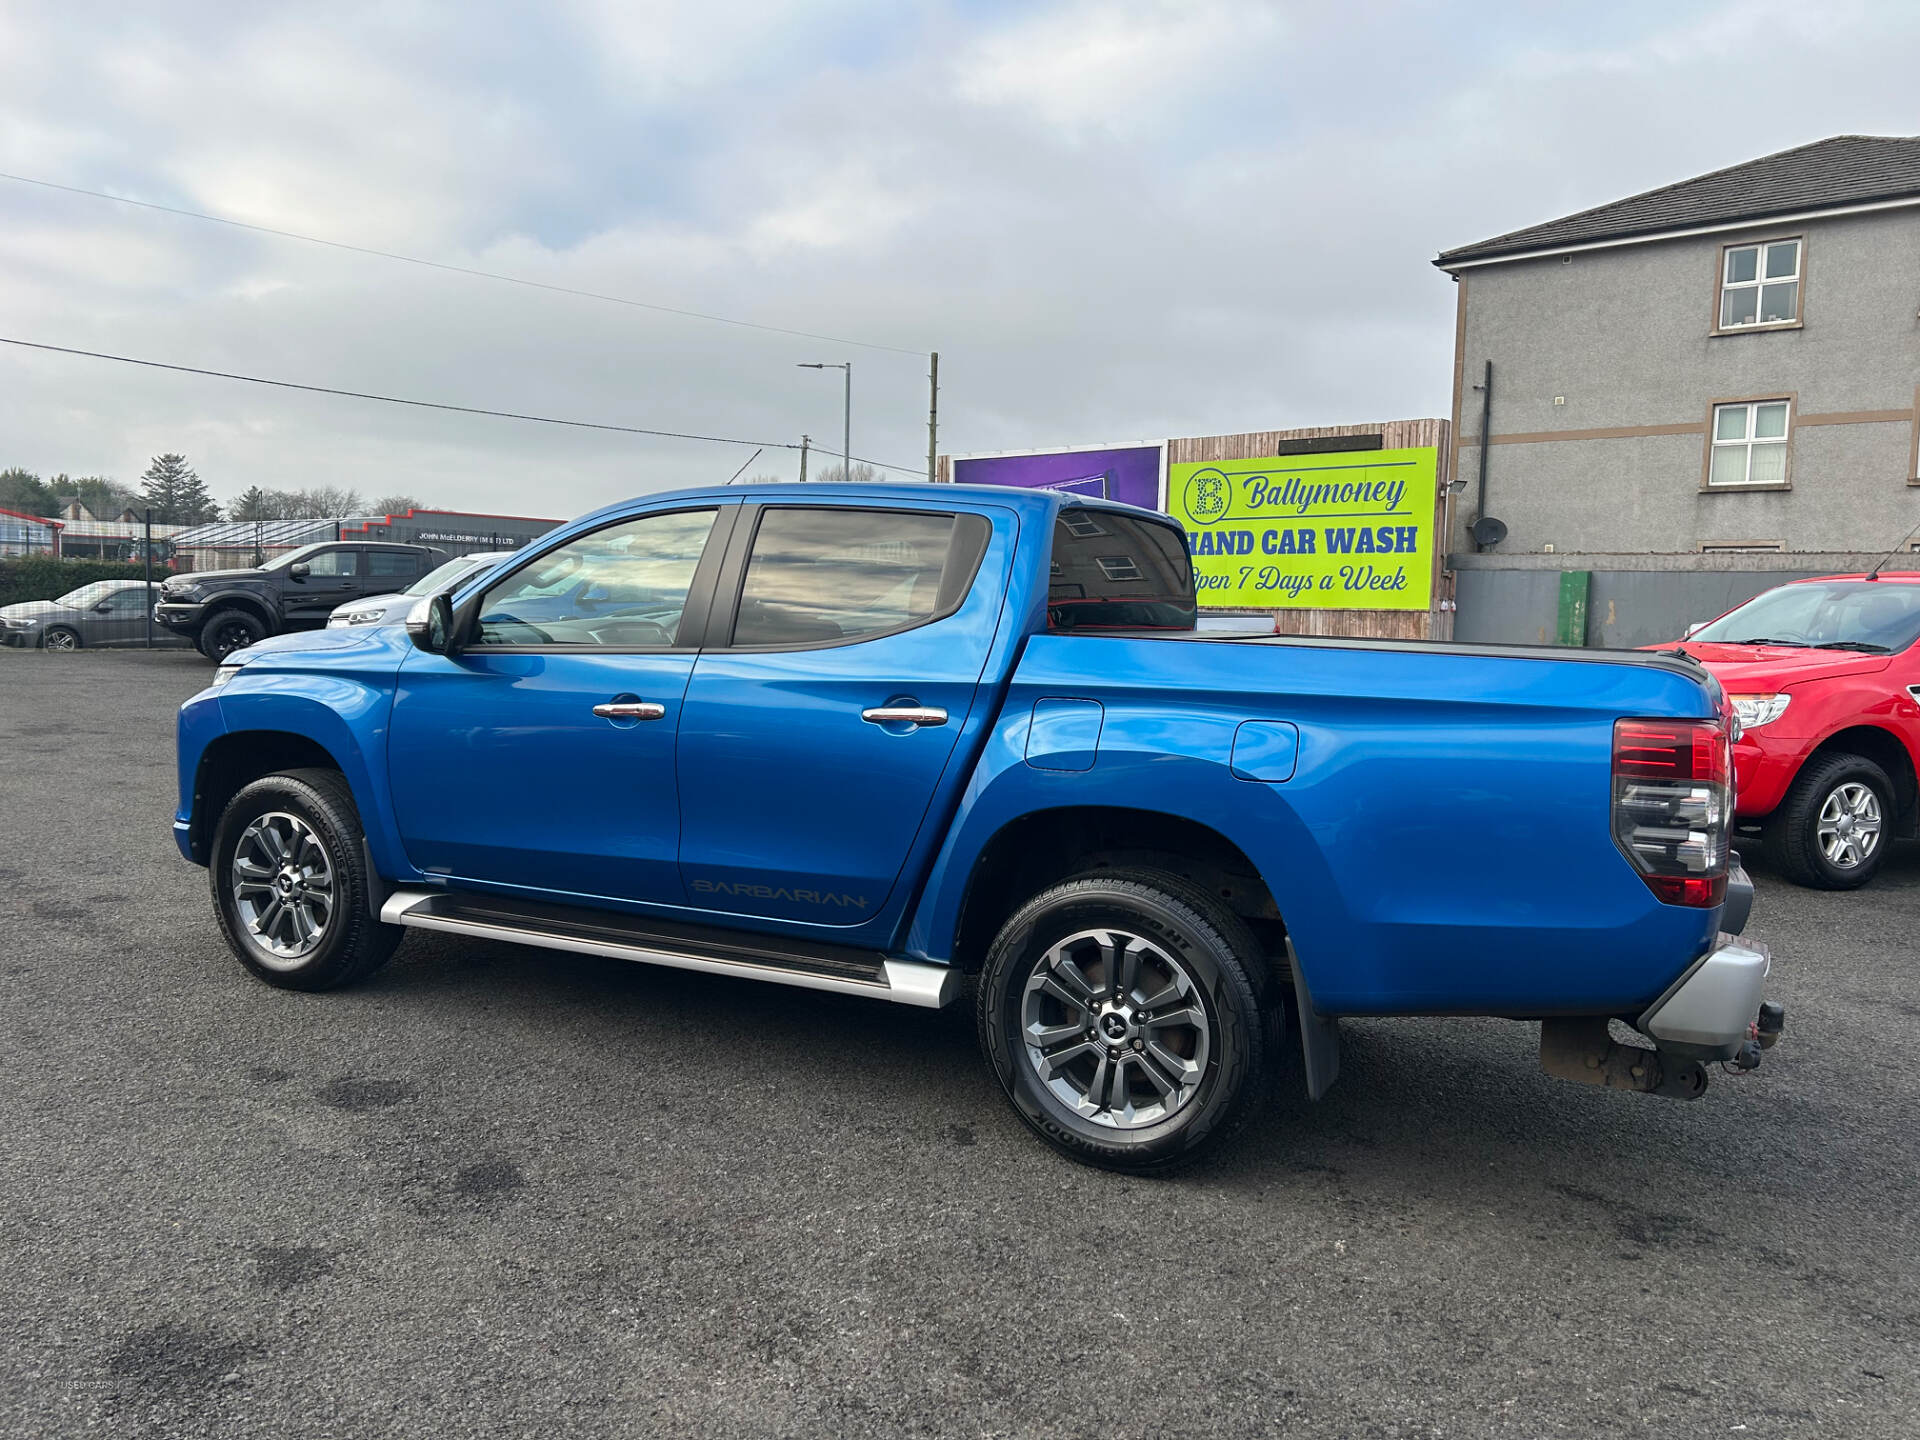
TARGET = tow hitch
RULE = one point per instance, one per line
(1582, 1050)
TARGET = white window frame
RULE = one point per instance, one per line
(1715, 444)
(1742, 547)
(1760, 279)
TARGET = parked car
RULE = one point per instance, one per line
(392, 609)
(869, 739)
(107, 612)
(221, 611)
(1825, 678)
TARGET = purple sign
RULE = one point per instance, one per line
(1130, 474)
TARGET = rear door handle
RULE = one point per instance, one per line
(904, 715)
(630, 710)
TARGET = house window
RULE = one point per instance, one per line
(1742, 547)
(1749, 443)
(1760, 284)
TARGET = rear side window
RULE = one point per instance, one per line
(822, 576)
(1118, 572)
(392, 562)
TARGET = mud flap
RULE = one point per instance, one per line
(1319, 1035)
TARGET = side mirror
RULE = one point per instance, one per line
(103, 607)
(299, 570)
(430, 624)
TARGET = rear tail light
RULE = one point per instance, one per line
(1673, 806)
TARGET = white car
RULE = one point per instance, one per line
(392, 609)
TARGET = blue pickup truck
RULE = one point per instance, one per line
(882, 740)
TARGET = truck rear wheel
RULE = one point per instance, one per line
(1121, 1013)
(1830, 833)
(290, 883)
(227, 631)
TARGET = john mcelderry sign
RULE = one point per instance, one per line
(1348, 531)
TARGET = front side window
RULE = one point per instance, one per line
(131, 600)
(1749, 445)
(624, 587)
(332, 562)
(822, 576)
(1760, 284)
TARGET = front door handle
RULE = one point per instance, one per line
(630, 710)
(904, 715)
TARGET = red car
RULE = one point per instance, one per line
(1825, 677)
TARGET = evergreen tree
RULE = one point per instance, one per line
(177, 494)
(23, 491)
(255, 504)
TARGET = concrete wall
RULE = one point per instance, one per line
(1624, 337)
(1631, 599)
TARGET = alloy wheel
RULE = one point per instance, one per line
(1116, 1028)
(1849, 825)
(283, 888)
(60, 640)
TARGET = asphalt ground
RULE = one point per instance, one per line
(502, 1192)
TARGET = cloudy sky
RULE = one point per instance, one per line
(1120, 219)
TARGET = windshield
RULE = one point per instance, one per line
(280, 562)
(444, 575)
(88, 595)
(1874, 616)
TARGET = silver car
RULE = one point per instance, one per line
(392, 609)
(107, 612)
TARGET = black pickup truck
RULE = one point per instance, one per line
(221, 611)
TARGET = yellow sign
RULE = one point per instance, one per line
(1346, 531)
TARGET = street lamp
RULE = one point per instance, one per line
(846, 433)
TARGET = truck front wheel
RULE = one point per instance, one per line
(227, 631)
(1121, 1012)
(1831, 830)
(290, 883)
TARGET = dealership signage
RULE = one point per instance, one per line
(1349, 530)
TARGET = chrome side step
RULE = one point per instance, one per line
(625, 937)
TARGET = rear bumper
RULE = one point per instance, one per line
(1711, 1011)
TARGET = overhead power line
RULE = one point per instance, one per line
(398, 400)
(433, 404)
(454, 269)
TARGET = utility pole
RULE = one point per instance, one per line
(846, 433)
(805, 441)
(933, 417)
(148, 550)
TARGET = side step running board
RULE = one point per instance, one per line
(839, 969)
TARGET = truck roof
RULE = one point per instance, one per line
(1043, 502)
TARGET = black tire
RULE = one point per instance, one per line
(1181, 925)
(1793, 832)
(227, 631)
(61, 637)
(350, 943)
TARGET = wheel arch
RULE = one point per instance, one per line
(1890, 753)
(235, 760)
(240, 600)
(1038, 849)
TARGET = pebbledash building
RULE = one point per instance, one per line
(1666, 404)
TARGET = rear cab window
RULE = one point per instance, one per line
(1113, 571)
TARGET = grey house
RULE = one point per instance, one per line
(1727, 364)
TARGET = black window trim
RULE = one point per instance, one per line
(954, 590)
(694, 619)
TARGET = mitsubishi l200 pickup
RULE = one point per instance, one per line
(883, 740)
